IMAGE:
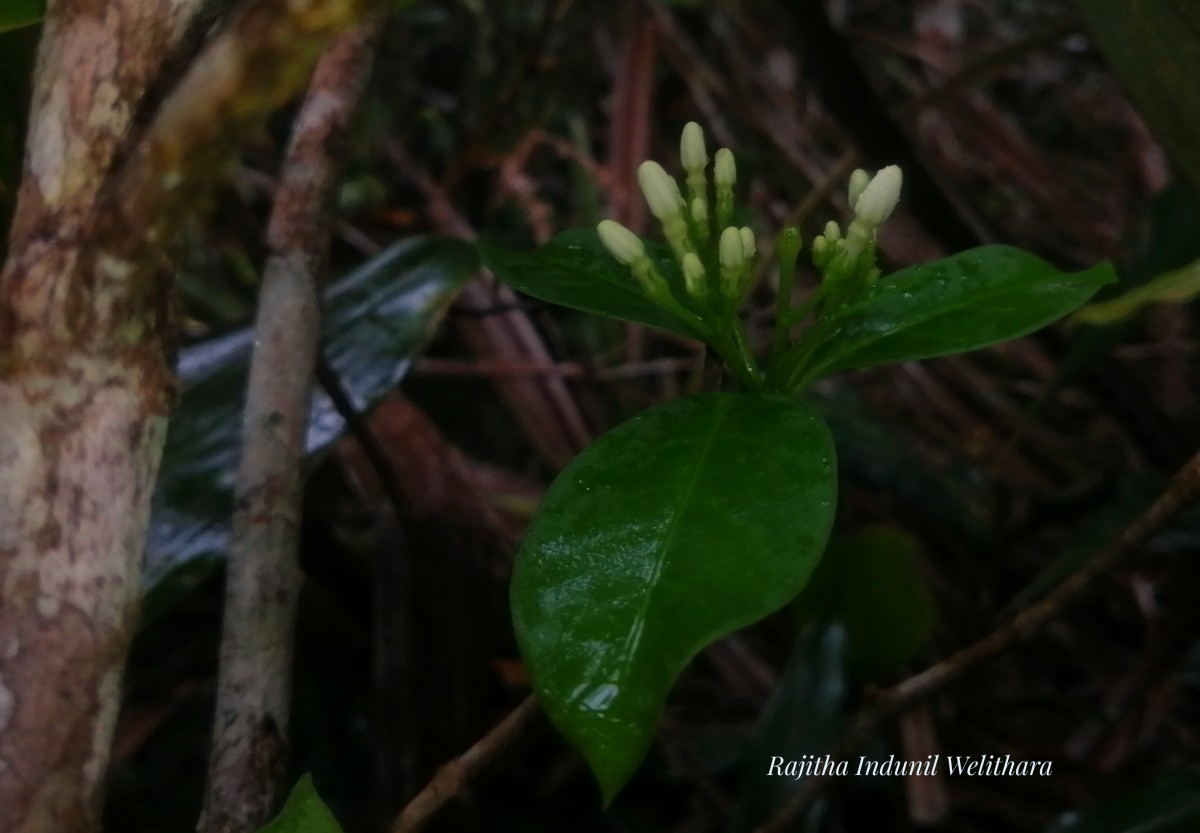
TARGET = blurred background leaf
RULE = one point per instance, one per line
(376, 320)
(803, 717)
(15, 14)
(871, 584)
(1154, 48)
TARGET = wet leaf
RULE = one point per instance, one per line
(376, 320)
(691, 520)
(575, 270)
(964, 302)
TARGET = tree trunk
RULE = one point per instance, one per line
(85, 377)
(84, 392)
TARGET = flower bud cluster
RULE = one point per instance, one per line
(873, 199)
(710, 270)
(716, 258)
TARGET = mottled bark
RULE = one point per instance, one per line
(84, 390)
(85, 377)
(249, 757)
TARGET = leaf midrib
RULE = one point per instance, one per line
(672, 532)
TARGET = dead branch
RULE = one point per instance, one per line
(457, 775)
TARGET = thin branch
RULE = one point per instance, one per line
(364, 435)
(457, 775)
(1181, 490)
(249, 756)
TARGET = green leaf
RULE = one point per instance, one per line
(964, 302)
(304, 812)
(1175, 287)
(17, 13)
(376, 320)
(691, 520)
(871, 584)
(575, 270)
(1169, 805)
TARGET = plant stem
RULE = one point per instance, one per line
(787, 249)
(786, 368)
(735, 350)
(795, 316)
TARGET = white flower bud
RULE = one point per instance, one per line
(832, 233)
(732, 254)
(661, 190)
(879, 197)
(693, 275)
(621, 243)
(724, 169)
(858, 182)
(748, 246)
(691, 149)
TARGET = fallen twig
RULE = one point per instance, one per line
(454, 777)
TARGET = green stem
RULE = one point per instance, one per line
(785, 375)
(794, 316)
(787, 249)
(735, 350)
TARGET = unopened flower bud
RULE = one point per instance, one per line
(878, 199)
(661, 190)
(748, 246)
(691, 149)
(832, 233)
(858, 182)
(730, 249)
(724, 169)
(621, 243)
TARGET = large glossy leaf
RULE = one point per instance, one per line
(304, 812)
(964, 302)
(693, 519)
(576, 271)
(376, 319)
(1170, 805)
